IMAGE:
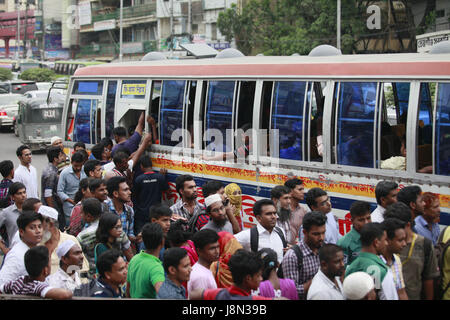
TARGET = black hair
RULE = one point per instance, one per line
(292, 183)
(79, 144)
(371, 231)
(257, 207)
(180, 180)
(177, 235)
(172, 257)
(94, 184)
(21, 148)
(6, 167)
(97, 150)
(409, 194)
(278, 191)
(92, 206)
(314, 218)
(36, 259)
(90, 166)
(312, 195)
(113, 184)
(120, 131)
(85, 154)
(145, 161)
(270, 261)
(120, 156)
(107, 142)
(84, 184)
(359, 208)
(53, 153)
(28, 204)
(211, 187)
(383, 189)
(160, 210)
(244, 263)
(398, 210)
(106, 223)
(77, 157)
(152, 235)
(204, 237)
(16, 187)
(391, 225)
(27, 217)
(106, 260)
(328, 251)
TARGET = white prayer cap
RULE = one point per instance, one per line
(54, 139)
(212, 198)
(48, 212)
(64, 247)
(357, 285)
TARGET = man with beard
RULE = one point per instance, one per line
(68, 184)
(326, 284)
(218, 220)
(281, 197)
(302, 267)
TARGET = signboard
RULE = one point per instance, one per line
(426, 41)
(133, 89)
(84, 13)
(105, 25)
(133, 47)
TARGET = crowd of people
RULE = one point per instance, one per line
(100, 229)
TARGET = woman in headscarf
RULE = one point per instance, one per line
(234, 193)
(228, 246)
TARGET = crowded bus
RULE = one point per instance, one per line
(342, 123)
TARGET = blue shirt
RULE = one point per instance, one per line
(422, 229)
(69, 183)
(127, 217)
(169, 290)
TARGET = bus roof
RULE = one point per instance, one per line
(86, 63)
(408, 64)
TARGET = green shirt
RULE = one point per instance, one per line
(351, 245)
(144, 271)
(369, 263)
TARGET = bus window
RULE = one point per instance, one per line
(82, 128)
(353, 125)
(133, 89)
(172, 99)
(287, 116)
(313, 121)
(154, 109)
(424, 160)
(110, 106)
(265, 116)
(442, 133)
(87, 87)
(190, 103)
(219, 115)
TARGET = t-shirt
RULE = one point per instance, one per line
(25, 286)
(144, 271)
(201, 278)
(132, 143)
(351, 245)
(446, 266)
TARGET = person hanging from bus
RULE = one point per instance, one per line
(132, 143)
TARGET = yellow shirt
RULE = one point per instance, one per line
(446, 265)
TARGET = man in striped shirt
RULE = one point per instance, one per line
(37, 264)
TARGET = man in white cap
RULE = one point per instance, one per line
(216, 210)
(64, 161)
(359, 286)
(70, 263)
(53, 237)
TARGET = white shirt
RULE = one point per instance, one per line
(14, 265)
(266, 240)
(201, 278)
(60, 279)
(322, 288)
(332, 234)
(28, 178)
(377, 215)
(388, 290)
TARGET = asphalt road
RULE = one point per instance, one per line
(8, 145)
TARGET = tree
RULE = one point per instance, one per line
(38, 75)
(5, 74)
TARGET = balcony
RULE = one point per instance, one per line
(112, 50)
(128, 13)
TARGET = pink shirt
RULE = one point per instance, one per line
(201, 278)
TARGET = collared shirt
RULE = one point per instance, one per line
(14, 264)
(396, 269)
(29, 178)
(169, 290)
(60, 279)
(179, 209)
(311, 265)
(107, 292)
(332, 234)
(144, 272)
(377, 215)
(8, 217)
(23, 285)
(49, 185)
(351, 245)
(266, 240)
(422, 229)
(322, 288)
(69, 183)
(127, 217)
(295, 222)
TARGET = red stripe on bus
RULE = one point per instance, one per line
(312, 69)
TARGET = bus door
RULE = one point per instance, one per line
(83, 118)
(132, 101)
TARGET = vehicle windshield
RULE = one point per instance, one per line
(43, 115)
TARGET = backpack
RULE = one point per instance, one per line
(440, 250)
